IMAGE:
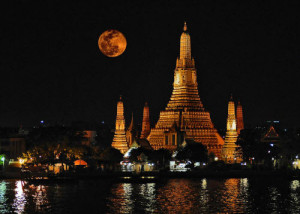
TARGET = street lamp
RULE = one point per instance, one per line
(3, 160)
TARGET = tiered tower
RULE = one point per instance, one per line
(185, 109)
(229, 148)
(119, 140)
(239, 118)
(146, 122)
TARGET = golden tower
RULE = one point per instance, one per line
(185, 109)
(146, 122)
(119, 140)
(229, 148)
(239, 118)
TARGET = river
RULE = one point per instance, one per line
(234, 195)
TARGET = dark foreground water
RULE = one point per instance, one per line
(173, 196)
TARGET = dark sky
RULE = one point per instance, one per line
(52, 70)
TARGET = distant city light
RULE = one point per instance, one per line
(272, 144)
(269, 151)
(42, 121)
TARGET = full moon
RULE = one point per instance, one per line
(112, 43)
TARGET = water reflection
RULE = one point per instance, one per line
(255, 195)
(128, 198)
(20, 200)
(40, 197)
(3, 199)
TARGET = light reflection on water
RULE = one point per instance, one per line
(20, 200)
(173, 196)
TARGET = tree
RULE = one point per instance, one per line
(111, 155)
(161, 157)
(104, 136)
(254, 150)
(194, 152)
(48, 145)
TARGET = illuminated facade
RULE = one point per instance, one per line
(119, 140)
(229, 149)
(146, 122)
(185, 109)
(239, 118)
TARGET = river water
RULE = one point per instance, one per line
(234, 195)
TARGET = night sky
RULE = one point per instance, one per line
(52, 69)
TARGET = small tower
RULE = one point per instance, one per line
(239, 118)
(146, 122)
(119, 140)
(131, 133)
(229, 148)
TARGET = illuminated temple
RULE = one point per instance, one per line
(119, 140)
(229, 154)
(185, 112)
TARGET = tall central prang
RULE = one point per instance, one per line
(185, 112)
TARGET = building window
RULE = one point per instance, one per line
(166, 140)
(173, 139)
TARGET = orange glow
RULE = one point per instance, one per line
(119, 140)
(80, 163)
(185, 108)
(112, 43)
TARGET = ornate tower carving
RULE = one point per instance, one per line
(146, 122)
(229, 149)
(119, 140)
(239, 118)
(185, 107)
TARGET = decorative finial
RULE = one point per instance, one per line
(120, 97)
(184, 27)
(231, 98)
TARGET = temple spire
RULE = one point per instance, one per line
(131, 126)
(185, 44)
(229, 154)
(185, 109)
(131, 133)
(146, 122)
(119, 140)
(184, 27)
(239, 118)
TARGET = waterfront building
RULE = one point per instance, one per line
(239, 118)
(12, 143)
(229, 154)
(119, 140)
(146, 122)
(185, 108)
